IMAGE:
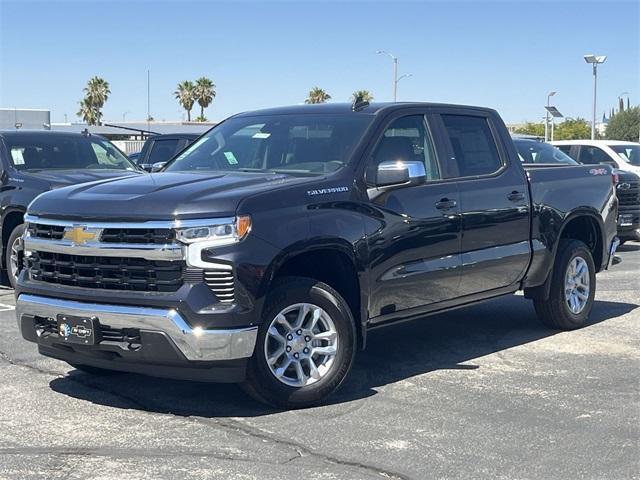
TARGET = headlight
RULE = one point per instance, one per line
(222, 233)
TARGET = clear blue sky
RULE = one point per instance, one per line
(506, 55)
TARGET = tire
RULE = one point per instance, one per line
(92, 370)
(327, 316)
(556, 312)
(13, 242)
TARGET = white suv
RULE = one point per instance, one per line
(619, 154)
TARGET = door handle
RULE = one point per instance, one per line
(516, 196)
(446, 204)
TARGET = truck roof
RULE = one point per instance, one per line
(345, 107)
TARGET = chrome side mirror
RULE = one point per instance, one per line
(156, 167)
(394, 174)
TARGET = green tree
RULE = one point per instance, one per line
(572, 129)
(625, 125)
(530, 128)
(185, 94)
(317, 95)
(87, 112)
(620, 104)
(96, 94)
(364, 95)
(205, 92)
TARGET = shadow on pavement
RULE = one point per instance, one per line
(629, 247)
(395, 353)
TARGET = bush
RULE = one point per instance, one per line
(625, 125)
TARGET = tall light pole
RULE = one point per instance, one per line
(395, 72)
(546, 118)
(594, 60)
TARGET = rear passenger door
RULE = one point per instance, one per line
(494, 203)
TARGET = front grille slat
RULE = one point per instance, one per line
(222, 284)
(106, 272)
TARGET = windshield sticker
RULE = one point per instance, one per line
(16, 155)
(325, 191)
(261, 135)
(231, 158)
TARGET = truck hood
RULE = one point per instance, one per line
(159, 196)
(63, 178)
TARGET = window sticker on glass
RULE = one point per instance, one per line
(16, 154)
(261, 135)
(231, 158)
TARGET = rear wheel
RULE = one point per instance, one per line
(305, 346)
(573, 288)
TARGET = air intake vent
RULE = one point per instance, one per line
(221, 284)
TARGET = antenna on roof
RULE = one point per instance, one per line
(359, 104)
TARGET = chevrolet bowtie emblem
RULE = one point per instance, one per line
(79, 235)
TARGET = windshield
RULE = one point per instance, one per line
(540, 152)
(629, 153)
(61, 152)
(293, 144)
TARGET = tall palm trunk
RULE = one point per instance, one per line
(188, 115)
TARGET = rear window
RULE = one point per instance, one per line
(473, 145)
(163, 150)
(58, 152)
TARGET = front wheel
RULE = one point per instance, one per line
(14, 255)
(573, 288)
(305, 346)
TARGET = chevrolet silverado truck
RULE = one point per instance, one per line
(33, 162)
(265, 251)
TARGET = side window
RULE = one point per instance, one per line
(408, 139)
(163, 150)
(565, 148)
(473, 145)
(593, 156)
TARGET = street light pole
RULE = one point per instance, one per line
(546, 118)
(395, 72)
(594, 60)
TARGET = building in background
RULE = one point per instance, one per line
(25, 118)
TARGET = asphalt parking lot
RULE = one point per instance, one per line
(481, 392)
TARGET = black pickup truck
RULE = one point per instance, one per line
(266, 251)
(33, 162)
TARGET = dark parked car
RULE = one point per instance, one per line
(33, 162)
(266, 251)
(159, 149)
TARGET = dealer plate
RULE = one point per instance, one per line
(82, 330)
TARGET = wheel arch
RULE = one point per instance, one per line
(333, 263)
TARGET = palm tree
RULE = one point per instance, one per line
(317, 95)
(205, 92)
(185, 93)
(96, 93)
(364, 96)
(87, 112)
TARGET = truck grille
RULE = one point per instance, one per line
(156, 236)
(112, 273)
(629, 197)
(49, 232)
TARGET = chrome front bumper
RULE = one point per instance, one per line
(194, 342)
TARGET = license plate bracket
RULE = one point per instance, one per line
(625, 220)
(80, 330)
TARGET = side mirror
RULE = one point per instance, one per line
(156, 167)
(609, 162)
(393, 174)
(147, 167)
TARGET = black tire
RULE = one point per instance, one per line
(93, 370)
(262, 384)
(554, 312)
(15, 235)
